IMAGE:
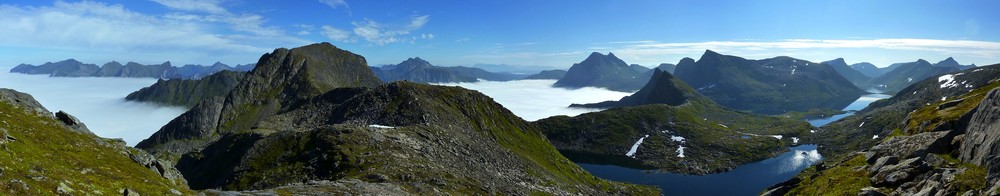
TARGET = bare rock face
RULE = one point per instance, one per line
(983, 134)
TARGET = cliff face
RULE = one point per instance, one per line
(48, 155)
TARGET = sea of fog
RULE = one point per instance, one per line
(98, 102)
(537, 99)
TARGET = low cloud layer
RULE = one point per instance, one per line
(98, 102)
(537, 99)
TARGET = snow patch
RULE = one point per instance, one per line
(777, 136)
(944, 98)
(723, 125)
(948, 80)
(680, 151)
(862, 124)
(793, 70)
(706, 87)
(875, 137)
(795, 140)
(677, 138)
(909, 79)
(380, 126)
(812, 131)
(631, 152)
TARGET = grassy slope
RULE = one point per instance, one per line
(711, 147)
(46, 154)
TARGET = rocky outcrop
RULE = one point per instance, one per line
(982, 138)
(197, 126)
(73, 123)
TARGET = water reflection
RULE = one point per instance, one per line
(748, 179)
(858, 104)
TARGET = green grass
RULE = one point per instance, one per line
(846, 178)
(46, 154)
(929, 117)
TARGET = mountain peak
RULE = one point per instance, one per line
(836, 62)
(662, 88)
(949, 62)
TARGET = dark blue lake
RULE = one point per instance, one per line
(749, 179)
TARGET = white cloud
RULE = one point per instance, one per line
(463, 39)
(382, 34)
(334, 3)
(336, 34)
(106, 32)
(427, 36)
(208, 6)
(545, 100)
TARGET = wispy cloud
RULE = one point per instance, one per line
(209, 6)
(335, 3)
(336, 34)
(109, 32)
(381, 34)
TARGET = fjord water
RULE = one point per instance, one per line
(858, 104)
(99, 102)
(748, 179)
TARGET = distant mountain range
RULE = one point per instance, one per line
(768, 86)
(547, 75)
(419, 70)
(74, 68)
(905, 74)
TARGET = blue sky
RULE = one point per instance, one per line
(536, 34)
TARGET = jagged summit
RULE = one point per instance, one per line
(607, 71)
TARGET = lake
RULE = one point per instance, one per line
(748, 179)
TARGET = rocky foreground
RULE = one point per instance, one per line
(935, 137)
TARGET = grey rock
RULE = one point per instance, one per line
(881, 162)
(129, 192)
(6, 137)
(895, 175)
(982, 135)
(950, 104)
(23, 100)
(870, 191)
(199, 122)
(72, 122)
(916, 145)
(64, 189)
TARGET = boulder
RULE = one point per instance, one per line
(870, 191)
(895, 175)
(72, 122)
(917, 145)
